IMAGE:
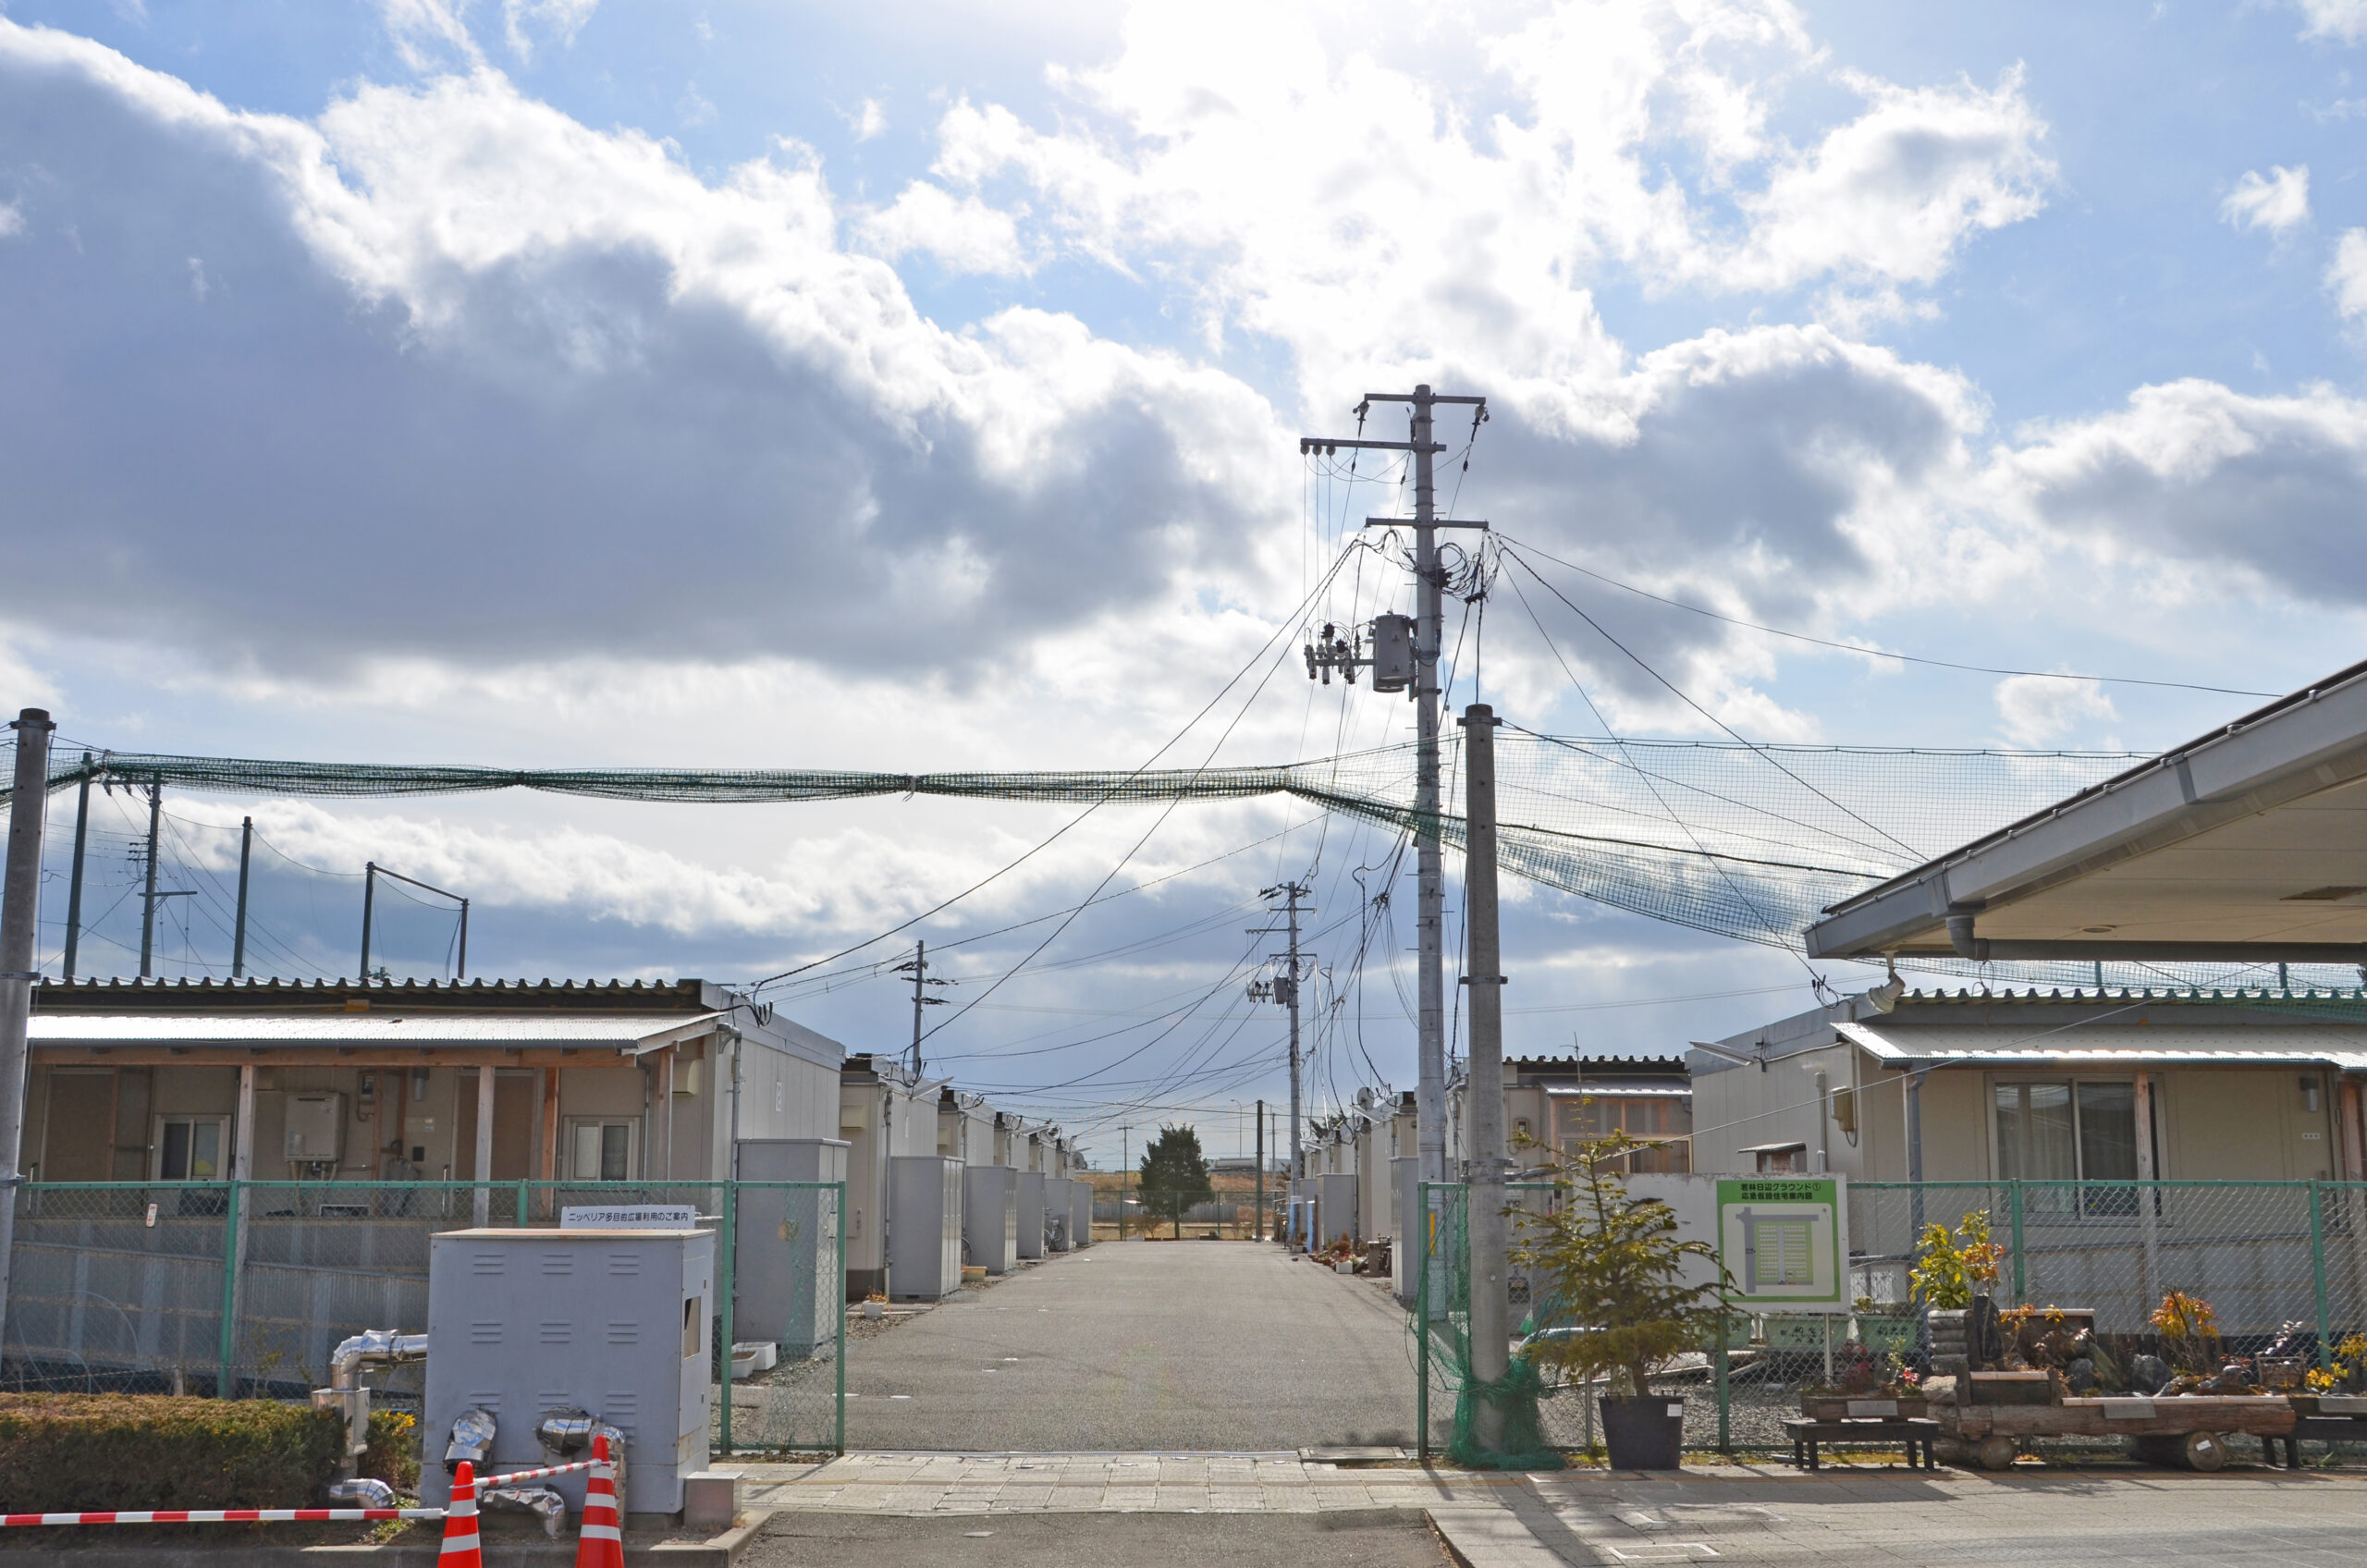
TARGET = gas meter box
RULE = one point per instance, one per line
(522, 1323)
(1392, 652)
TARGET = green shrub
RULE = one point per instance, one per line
(393, 1453)
(90, 1452)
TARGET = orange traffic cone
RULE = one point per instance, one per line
(460, 1549)
(601, 1543)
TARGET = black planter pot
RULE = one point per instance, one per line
(1644, 1434)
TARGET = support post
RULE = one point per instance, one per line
(1258, 1233)
(1125, 1175)
(2318, 1270)
(238, 936)
(2013, 1209)
(549, 1164)
(74, 884)
(19, 926)
(368, 893)
(484, 1146)
(242, 1172)
(1422, 1329)
(727, 1246)
(461, 969)
(2149, 1194)
(1484, 1219)
(226, 1376)
(665, 1125)
(1296, 891)
(148, 896)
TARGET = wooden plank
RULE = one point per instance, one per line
(2125, 1417)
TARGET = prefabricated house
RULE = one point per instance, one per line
(884, 1114)
(283, 1080)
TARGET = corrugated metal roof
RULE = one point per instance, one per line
(361, 1028)
(2340, 1045)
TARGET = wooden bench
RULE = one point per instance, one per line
(1914, 1433)
(2313, 1429)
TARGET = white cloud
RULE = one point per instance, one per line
(1307, 192)
(2342, 20)
(12, 219)
(2347, 274)
(963, 233)
(2279, 203)
(693, 108)
(431, 34)
(869, 119)
(2038, 710)
(2190, 475)
(528, 23)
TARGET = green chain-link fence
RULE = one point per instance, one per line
(2266, 1254)
(244, 1288)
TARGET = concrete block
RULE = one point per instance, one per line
(710, 1499)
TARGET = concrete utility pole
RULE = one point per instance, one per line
(1489, 1165)
(918, 967)
(1429, 1095)
(238, 939)
(148, 896)
(1257, 1213)
(19, 925)
(1283, 988)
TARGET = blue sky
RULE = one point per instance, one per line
(917, 386)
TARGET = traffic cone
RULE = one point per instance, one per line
(461, 1549)
(601, 1543)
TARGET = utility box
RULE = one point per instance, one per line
(1080, 1213)
(990, 1217)
(1031, 1214)
(1056, 1213)
(1413, 1233)
(1392, 652)
(786, 1284)
(1337, 1201)
(923, 1227)
(315, 1128)
(524, 1322)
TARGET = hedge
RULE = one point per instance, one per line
(87, 1452)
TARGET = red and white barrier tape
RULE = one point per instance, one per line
(485, 1481)
(222, 1516)
(280, 1516)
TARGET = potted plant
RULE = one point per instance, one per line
(1954, 1268)
(1617, 1268)
(1865, 1382)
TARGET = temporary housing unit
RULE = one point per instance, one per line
(965, 1127)
(1031, 1214)
(1056, 1213)
(884, 1114)
(269, 1080)
(1080, 1213)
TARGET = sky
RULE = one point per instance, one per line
(918, 388)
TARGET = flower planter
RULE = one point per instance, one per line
(2329, 1404)
(1644, 1434)
(1851, 1407)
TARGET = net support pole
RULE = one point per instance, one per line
(1429, 916)
(20, 923)
(1484, 1222)
(74, 882)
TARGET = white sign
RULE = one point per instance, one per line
(631, 1217)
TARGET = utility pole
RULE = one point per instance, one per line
(1258, 1222)
(918, 967)
(1486, 1171)
(1429, 1097)
(20, 928)
(74, 882)
(1284, 987)
(1125, 1174)
(238, 939)
(148, 897)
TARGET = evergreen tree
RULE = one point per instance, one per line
(1174, 1176)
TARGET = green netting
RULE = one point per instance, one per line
(1441, 1324)
(1750, 842)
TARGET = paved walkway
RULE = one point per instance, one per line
(1746, 1514)
(1142, 1345)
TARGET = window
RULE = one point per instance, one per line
(599, 1150)
(188, 1148)
(2080, 1131)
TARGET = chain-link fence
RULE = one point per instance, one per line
(243, 1289)
(2274, 1259)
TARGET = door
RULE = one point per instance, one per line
(515, 1103)
(78, 1133)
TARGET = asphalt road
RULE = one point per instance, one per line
(1142, 1345)
(1371, 1538)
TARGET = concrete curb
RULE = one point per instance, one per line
(721, 1551)
(1491, 1538)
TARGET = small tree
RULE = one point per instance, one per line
(1956, 1268)
(1175, 1175)
(1617, 1267)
